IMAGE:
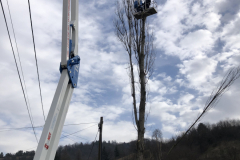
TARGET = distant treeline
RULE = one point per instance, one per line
(219, 141)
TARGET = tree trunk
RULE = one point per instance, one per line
(142, 76)
(131, 69)
(133, 90)
(159, 150)
(135, 37)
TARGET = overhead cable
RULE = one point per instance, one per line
(10, 129)
(80, 123)
(71, 139)
(18, 71)
(77, 131)
(93, 145)
(232, 75)
(20, 62)
(30, 148)
(74, 135)
(70, 135)
(36, 58)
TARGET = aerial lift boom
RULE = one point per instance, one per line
(69, 68)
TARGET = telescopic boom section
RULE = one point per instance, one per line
(69, 68)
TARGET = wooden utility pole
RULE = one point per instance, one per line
(100, 125)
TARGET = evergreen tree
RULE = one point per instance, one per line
(105, 155)
(57, 156)
(116, 152)
(19, 153)
(1, 155)
(78, 155)
(65, 155)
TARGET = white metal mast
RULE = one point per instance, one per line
(69, 68)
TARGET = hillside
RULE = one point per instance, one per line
(219, 141)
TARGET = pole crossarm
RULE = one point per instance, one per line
(69, 68)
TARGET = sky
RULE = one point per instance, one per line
(197, 42)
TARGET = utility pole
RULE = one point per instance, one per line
(100, 126)
(69, 68)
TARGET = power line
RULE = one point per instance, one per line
(20, 62)
(36, 59)
(30, 148)
(71, 139)
(10, 129)
(80, 123)
(18, 70)
(74, 135)
(36, 146)
(70, 135)
(93, 145)
(232, 75)
(77, 131)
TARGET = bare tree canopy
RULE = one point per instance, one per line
(157, 136)
(137, 39)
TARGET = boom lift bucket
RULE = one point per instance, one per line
(144, 9)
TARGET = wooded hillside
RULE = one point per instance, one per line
(219, 141)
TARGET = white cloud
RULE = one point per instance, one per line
(198, 70)
(212, 21)
(197, 42)
(184, 30)
(185, 99)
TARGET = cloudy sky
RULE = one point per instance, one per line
(197, 41)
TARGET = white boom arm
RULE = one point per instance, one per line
(51, 133)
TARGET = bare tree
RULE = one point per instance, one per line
(157, 136)
(137, 40)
